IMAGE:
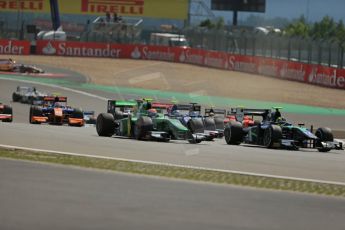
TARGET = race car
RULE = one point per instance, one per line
(143, 120)
(9, 65)
(54, 110)
(275, 132)
(6, 113)
(190, 116)
(27, 94)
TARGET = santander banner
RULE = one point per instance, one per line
(288, 70)
(14, 47)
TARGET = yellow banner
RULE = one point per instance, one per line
(171, 9)
(38, 6)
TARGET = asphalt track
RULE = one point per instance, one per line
(308, 164)
(40, 196)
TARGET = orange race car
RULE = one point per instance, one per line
(6, 114)
(9, 65)
(54, 110)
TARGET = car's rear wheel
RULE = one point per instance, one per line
(219, 122)
(210, 123)
(272, 136)
(324, 134)
(118, 115)
(78, 113)
(105, 125)
(15, 97)
(142, 127)
(34, 111)
(195, 125)
(233, 133)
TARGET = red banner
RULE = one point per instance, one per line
(312, 74)
(14, 47)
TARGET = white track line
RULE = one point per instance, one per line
(173, 165)
(56, 86)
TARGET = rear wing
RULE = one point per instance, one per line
(89, 113)
(157, 105)
(215, 111)
(113, 104)
(193, 107)
(249, 112)
(55, 99)
(241, 112)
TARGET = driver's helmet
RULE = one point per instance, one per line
(275, 115)
(152, 112)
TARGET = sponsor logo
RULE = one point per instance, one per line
(64, 49)
(330, 80)
(214, 62)
(268, 70)
(185, 56)
(158, 55)
(10, 48)
(135, 7)
(49, 49)
(292, 73)
(249, 67)
(136, 53)
(33, 5)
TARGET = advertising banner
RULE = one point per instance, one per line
(288, 70)
(14, 47)
(171, 9)
(37, 6)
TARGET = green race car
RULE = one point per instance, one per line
(273, 131)
(143, 120)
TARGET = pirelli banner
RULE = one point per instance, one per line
(171, 9)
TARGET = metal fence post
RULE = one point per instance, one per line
(341, 61)
(329, 53)
(320, 53)
(300, 49)
(289, 49)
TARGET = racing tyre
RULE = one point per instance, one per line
(324, 134)
(195, 126)
(210, 124)
(219, 122)
(15, 97)
(142, 127)
(272, 136)
(233, 133)
(105, 125)
(118, 115)
(78, 113)
(8, 110)
(34, 111)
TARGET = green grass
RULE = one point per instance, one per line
(178, 172)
